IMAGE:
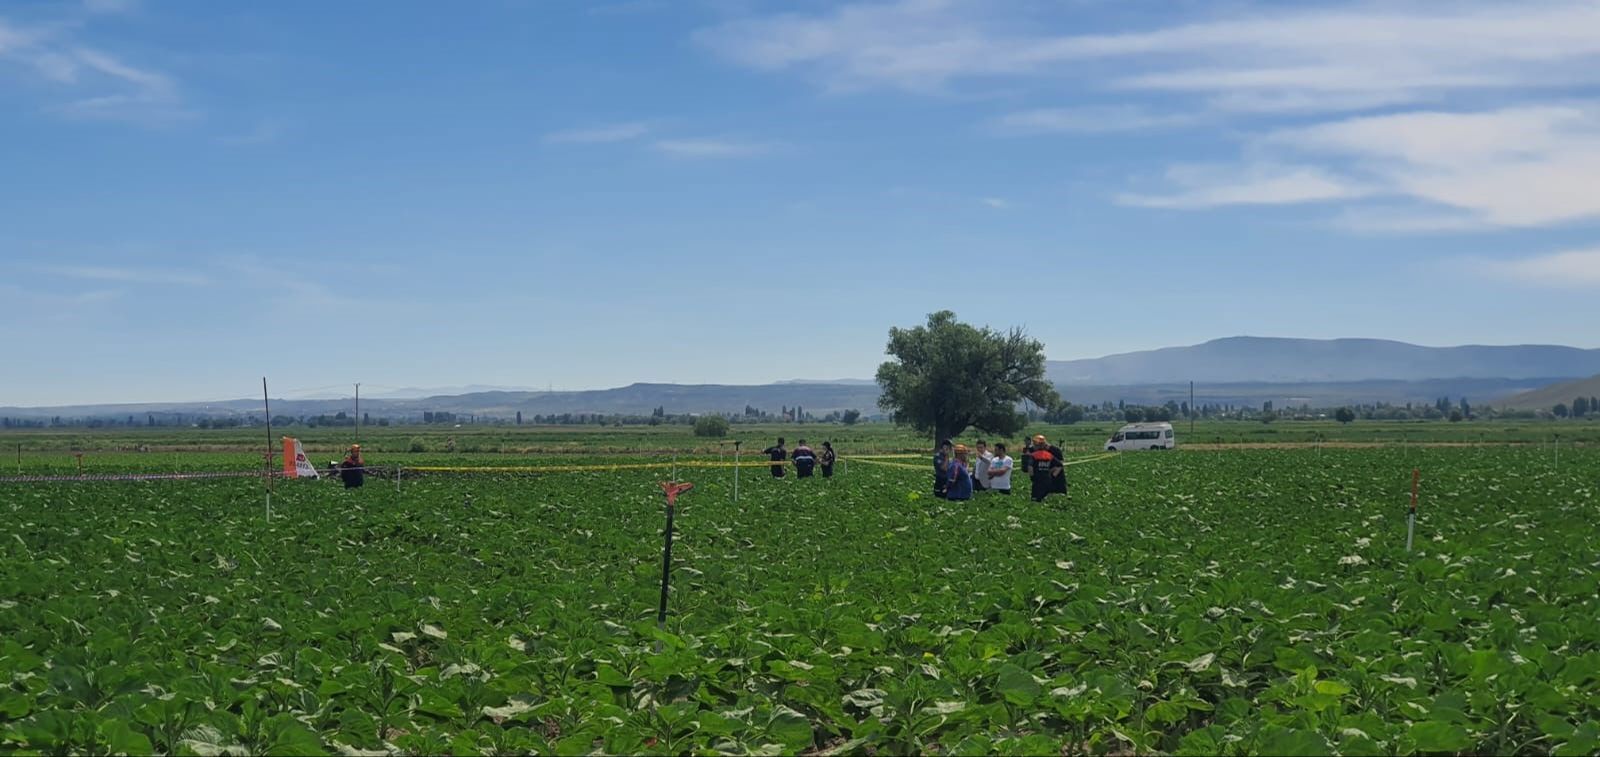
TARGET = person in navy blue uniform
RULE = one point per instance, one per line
(805, 460)
(941, 473)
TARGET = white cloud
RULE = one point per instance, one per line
(1513, 167)
(127, 275)
(1271, 56)
(600, 134)
(1573, 268)
(998, 203)
(1088, 120)
(1517, 167)
(709, 148)
(1212, 186)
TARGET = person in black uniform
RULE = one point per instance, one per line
(941, 469)
(777, 454)
(353, 471)
(828, 458)
(805, 460)
(1049, 469)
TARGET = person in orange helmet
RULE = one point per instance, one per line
(1049, 469)
(959, 486)
(353, 471)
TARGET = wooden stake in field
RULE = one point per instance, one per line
(736, 444)
(1411, 517)
(672, 489)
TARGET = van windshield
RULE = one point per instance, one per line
(1117, 437)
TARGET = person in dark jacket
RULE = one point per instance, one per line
(777, 454)
(353, 471)
(941, 472)
(827, 460)
(1049, 469)
(805, 460)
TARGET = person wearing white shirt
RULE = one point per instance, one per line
(998, 471)
(980, 472)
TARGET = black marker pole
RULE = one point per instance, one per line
(672, 489)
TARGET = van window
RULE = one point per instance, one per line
(1117, 437)
(1169, 433)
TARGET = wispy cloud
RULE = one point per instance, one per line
(127, 275)
(710, 148)
(1088, 120)
(296, 292)
(262, 133)
(49, 302)
(998, 203)
(1210, 186)
(110, 6)
(1404, 220)
(1354, 55)
(1570, 269)
(90, 83)
(623, 132)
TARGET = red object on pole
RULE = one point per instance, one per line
(673, 489)
(1416, 478)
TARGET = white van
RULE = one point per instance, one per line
(1136, 436)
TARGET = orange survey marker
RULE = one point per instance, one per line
(673, 489)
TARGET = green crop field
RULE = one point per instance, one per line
(1201, 601)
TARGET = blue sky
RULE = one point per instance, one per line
(554, 192)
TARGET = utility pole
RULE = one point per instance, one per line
(1191, 409)
(358, 413)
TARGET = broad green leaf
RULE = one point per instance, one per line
(1435, 736)
(1017, 685)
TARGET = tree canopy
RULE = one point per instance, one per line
(947, 376)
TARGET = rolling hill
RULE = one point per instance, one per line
(1548, 397)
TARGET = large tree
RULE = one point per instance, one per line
(948, 376)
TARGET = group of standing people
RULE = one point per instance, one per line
(805, 459)
(957, 475)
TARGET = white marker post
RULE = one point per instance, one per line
(1411, 517)
(736, 471)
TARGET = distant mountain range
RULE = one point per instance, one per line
(1247, 359)
(1238, 370)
